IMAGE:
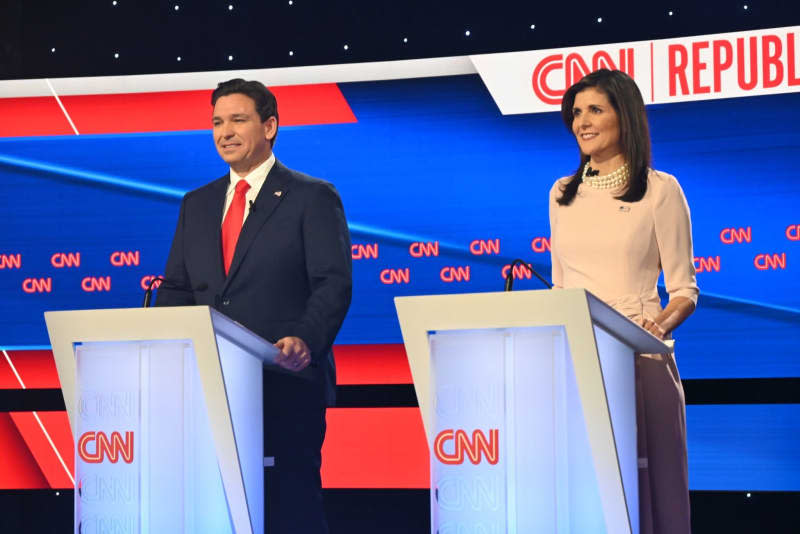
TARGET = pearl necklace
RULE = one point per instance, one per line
(612, 180)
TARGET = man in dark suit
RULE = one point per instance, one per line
(269, 247)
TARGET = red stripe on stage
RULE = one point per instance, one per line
(375, 448)
(161, 111)
(31, 116)
(19, 469)
(355, 365)
(40, 447)
(36, 368)
(371, 364)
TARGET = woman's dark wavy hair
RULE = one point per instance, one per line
(634, 133)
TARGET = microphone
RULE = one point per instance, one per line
(169, 284)
(510, 276)
(252, 207)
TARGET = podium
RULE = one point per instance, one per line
(165, 406)
(529, 405)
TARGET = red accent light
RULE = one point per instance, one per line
(388, 443)
(20, 470)
(56, 425)
(36, 368)
(371, 364)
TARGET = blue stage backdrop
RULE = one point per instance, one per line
(441, 192)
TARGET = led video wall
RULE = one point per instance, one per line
(441, 192)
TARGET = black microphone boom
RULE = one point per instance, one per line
(168, 284)
(510, 276)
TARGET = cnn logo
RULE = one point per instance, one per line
(113, 448)
(473, 449)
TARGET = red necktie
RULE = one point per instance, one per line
(232, 225)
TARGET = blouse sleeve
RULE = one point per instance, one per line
(556, 271)
(673, 228)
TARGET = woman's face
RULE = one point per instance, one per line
(595, 125)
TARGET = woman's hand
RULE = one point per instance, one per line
(654, 328)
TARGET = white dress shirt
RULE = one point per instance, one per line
(256, 179)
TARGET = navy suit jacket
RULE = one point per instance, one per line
(291, 273)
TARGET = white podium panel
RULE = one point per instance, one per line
(511, 452)
(145, 459)
(528, 401)
(165, 406)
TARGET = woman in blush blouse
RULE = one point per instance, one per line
(615, 225)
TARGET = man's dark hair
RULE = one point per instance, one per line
(634, 133)
(265, 102)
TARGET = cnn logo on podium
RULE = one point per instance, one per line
(104, 447)
(473, 449)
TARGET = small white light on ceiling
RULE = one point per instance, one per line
(58, 493)
(745, 7)
(179, 58)
(116, 55)
(114, 3)
(291, 2)
(533, 26)
(230, 58)
(230, 7)
(467, 33)
(52, 49)
(177, 7)
(748, 494)
(405, 39)
(599, 19)
(670, 13)
(291, 52)
(346, 47)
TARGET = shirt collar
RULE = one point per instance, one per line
(257, 177)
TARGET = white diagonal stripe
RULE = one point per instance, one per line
(52, 90)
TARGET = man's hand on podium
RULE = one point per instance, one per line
(295, 354)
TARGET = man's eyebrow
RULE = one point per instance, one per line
(234, 116)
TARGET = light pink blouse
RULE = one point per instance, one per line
(617, 249)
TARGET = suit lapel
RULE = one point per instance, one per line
(272, 193)
(215, 204)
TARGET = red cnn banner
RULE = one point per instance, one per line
(113, 448)
(462, 444)
(725, 65)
